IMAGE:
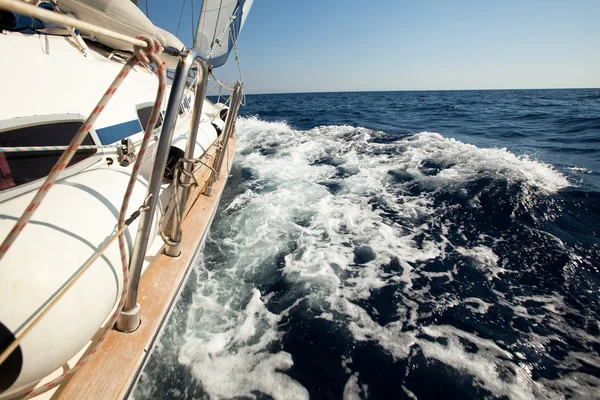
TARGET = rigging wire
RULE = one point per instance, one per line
(193, 33)
(212, 44)
(180, 15)
(147, 12)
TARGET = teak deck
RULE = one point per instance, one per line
(113, 370)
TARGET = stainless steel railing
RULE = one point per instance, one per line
(184, 179)
(129, 320)
(236, 100)
(182, 189)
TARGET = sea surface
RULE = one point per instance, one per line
(398, 245)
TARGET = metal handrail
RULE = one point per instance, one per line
(129, 319)
(201, 81)
(173, 247)
(236, 99)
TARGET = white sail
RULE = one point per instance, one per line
(219, 25)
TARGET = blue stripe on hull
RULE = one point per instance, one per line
(114, 133)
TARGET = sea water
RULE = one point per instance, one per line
(398, 245)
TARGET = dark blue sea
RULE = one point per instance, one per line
(398, 245)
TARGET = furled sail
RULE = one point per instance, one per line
(219, 25)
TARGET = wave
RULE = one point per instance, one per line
(348, 264)
(579, 124)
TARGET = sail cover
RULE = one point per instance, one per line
(219, 25)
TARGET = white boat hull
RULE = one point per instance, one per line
(80, 213)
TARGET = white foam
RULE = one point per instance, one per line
(229, 326)
(581, 170)
(483, 258)
(231, 361)
(481, 307)
(465, 162)
(486, 364)
(354, 391)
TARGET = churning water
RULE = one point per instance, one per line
(416, 245)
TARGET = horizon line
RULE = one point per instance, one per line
(422, 90)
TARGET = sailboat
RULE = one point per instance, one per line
(111, 171)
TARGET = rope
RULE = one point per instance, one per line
(220, 90)
(237, 59)
(154, 50)
(24, 8)
(224, 86)
(62, 148)
(8, 351)
(68, 154)
(218, 40)
(215, 32)
(174, 200)
(53, 148)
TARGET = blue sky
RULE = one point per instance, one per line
(352, 45)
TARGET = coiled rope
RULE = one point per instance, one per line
(147, 53)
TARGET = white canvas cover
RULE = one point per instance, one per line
(120, 16)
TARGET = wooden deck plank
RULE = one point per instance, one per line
(112, 371)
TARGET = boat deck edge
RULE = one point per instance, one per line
(112, 372)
